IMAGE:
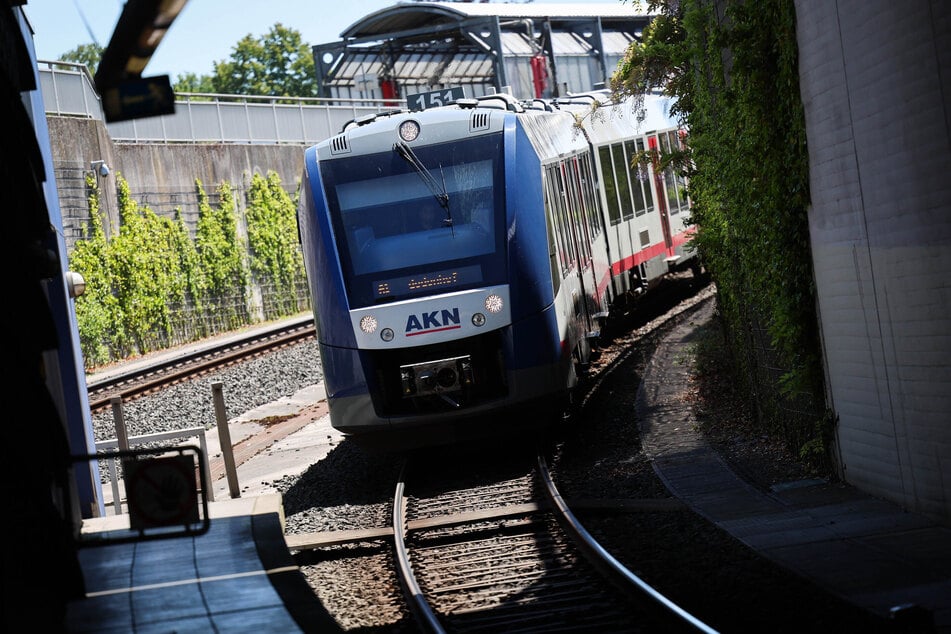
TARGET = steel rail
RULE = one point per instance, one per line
(140, 378)
(602, 558)
(414, 594)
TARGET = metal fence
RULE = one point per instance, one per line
(68, 90)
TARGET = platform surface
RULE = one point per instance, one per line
(237, 577)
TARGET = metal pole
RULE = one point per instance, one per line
(206, 467)
(224, 437)
(122, 438)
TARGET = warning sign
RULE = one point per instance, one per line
(161, 491)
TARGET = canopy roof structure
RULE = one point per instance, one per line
(414, 46)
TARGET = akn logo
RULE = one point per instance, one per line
(435, 321)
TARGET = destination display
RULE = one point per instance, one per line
(432, 281)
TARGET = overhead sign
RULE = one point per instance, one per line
(138, 97)
(434, 98)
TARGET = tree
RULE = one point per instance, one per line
(190, 82)
(88, 54)
(279, 63)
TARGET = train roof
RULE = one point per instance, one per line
(607, 121)
(604, 120)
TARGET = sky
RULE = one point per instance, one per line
(204, 32)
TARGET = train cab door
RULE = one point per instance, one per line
(661, 193)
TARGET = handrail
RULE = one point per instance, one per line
(178, 434)
(69, 90)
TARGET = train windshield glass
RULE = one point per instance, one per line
(426, 221)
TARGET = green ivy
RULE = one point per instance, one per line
(275, 257)
(735, 78)
(96, 308)
(152, 284)
(146, 273)
(221, 254)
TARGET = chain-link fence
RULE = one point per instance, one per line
(188, 323)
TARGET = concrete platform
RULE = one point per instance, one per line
(237, 577)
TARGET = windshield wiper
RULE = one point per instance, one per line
(439, 191)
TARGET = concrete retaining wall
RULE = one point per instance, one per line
(160, 176)
(876, 82)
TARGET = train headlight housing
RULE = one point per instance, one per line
(409, 130)
(386, 334)
(493, 303)
(368, 324)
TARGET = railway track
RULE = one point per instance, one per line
(138, 380)
(488, 552)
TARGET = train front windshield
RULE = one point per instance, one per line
(411, 222)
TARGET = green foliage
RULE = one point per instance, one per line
(735, 77)
(96, 309)
(221, 254)
(278, 63)
(147, 270)
(190, 82)
(275, 258)
(88, 54)
(152, 284)
(217, 242)
(817, 450)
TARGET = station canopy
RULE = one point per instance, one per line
(528, 49)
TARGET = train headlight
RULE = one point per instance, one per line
(493, 303)
(386, 334)
(409, 130)
(368, 324)
(478, 319)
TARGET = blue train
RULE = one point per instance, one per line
(463, 259)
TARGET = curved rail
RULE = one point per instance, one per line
(599, 559)
(603, 559)
(414, 594)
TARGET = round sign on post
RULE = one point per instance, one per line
(161, 492)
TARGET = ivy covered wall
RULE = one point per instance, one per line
(733, 68)
(154, 283)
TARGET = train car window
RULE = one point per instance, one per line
(644, 176)
(610, 188)
(670, 180)
(552, 251)
(637, 184)
(569, 209)
(580, 214)
(564, 219)
(676, 142)
(557, 217)
(589, 191)
(623, 183)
